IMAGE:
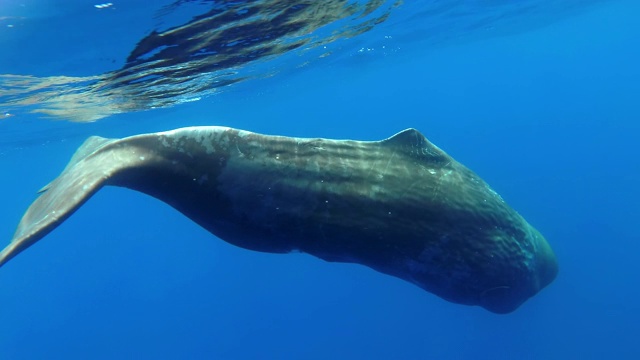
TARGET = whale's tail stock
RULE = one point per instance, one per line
(85, 174)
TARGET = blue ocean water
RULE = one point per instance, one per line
(543, 105)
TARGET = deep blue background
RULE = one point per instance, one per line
(550, 118)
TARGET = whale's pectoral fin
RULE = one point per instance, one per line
(84, 175)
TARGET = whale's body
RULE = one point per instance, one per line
(400, 206)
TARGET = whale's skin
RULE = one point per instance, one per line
(400, 206)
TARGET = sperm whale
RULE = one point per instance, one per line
(400, 206)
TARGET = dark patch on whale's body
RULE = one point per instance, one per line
(400, 206)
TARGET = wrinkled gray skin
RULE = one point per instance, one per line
(400, 206)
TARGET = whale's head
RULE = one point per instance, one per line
(532, 268)
(499, 269)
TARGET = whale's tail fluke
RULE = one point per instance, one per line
(85, 174)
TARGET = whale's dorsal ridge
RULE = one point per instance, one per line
(405, 137)
(414, 143)
(409, 138)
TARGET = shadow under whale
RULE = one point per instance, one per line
(400, 206)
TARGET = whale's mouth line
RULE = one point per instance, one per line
(501, 299)
(501, 287)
